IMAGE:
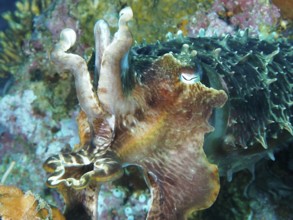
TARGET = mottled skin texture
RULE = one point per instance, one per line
(161, 117)
(257, 76)
(159, 125)
(167, 139)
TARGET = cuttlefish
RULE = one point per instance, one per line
(158, 124)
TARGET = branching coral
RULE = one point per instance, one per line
(159, 126)
(20, 24)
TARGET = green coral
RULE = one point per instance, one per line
(20, 30)
(23, 49)
(153, 18)
(53, 100)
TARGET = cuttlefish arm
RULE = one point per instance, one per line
(94, 160)
(110, 91)
(78, 174)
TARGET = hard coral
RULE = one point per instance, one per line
(18, 110)
(15, 205)
(13, 39)
(227, 16)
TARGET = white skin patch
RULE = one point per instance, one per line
(190, 76)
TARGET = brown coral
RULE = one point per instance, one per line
(16, 205)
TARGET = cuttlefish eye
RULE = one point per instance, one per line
(190, 75)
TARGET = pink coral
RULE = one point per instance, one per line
(227, 16)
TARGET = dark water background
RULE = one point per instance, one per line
(5, 5)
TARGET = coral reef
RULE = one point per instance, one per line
(38, 107)
(18, 117)
(228, 16)
(28, 136)
(20, 24)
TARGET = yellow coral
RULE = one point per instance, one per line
(153, 19)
